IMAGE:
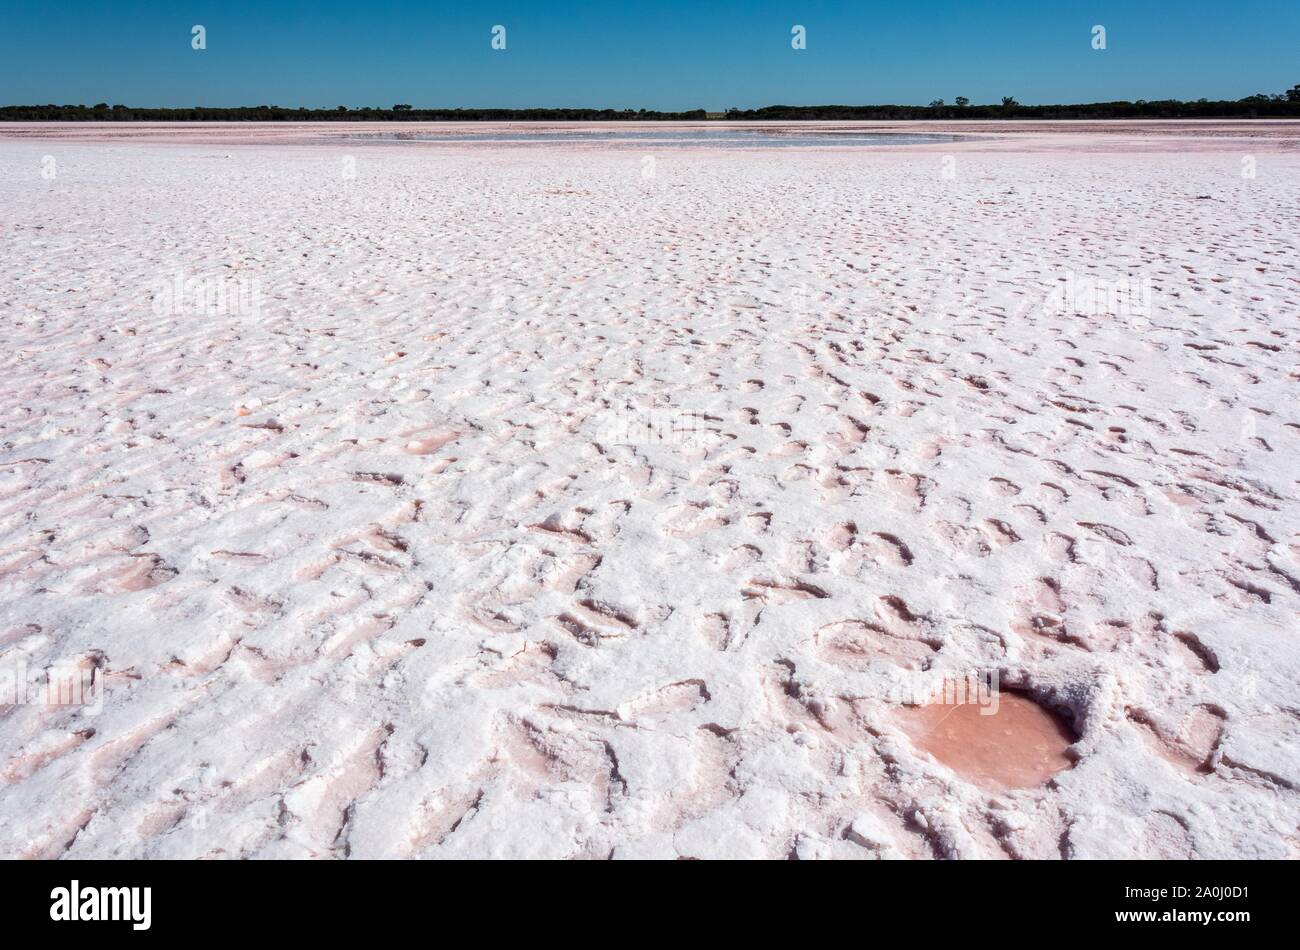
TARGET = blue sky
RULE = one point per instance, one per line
(672, 54)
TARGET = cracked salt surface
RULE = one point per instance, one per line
(546, 510)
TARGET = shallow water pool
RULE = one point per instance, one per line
(672, 138)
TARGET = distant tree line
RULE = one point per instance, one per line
(400, 112)
(1261, 106)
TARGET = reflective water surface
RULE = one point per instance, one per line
(671, 138)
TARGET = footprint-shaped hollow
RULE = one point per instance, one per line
(1009, 742)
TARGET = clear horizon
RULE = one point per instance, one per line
(670, 57)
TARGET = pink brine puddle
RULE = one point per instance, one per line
(1021, 745)
(430, 444)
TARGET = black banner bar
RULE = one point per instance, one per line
(929, 900)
